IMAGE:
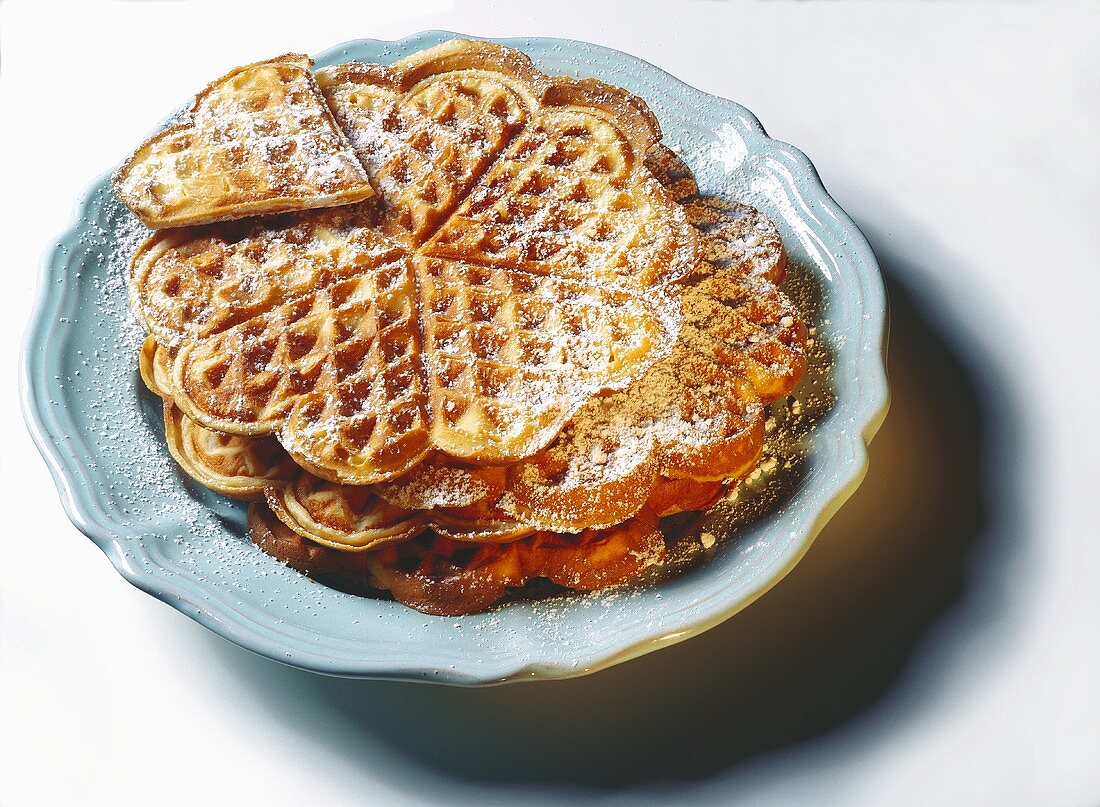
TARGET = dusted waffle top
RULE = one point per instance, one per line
(261, 139)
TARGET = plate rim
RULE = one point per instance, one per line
(94, 520)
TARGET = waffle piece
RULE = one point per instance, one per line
(671, 496)
(695, 418)
(364, 352)
(343, 517)
(240, 467)
(261, 139)
(426, 127)
(305, 325)
(192, 283)
(572, 197)
(511, 356)
(487, 160)
(439, 576)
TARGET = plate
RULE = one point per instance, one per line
(102, 435)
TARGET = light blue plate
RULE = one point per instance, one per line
(102, 438)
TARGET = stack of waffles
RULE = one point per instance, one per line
(451, 324)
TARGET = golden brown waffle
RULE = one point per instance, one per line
(457, 502)
(261, 139)
(439, 576)
(270, 322)
(573, 197)
(509, 356)
(428, 126)
(341, 516)
(241, 467)
(687, 417)
(363, 352)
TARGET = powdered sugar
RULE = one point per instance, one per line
(182, 528)
(427, 487)
(258, 140)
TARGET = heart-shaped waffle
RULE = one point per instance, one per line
(364, 344)
(261, 139)
(427, 127)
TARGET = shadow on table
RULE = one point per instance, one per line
(918, 548)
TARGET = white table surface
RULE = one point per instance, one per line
(938, 645)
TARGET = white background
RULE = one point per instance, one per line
(939, 644)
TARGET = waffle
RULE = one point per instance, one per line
(261, 139)
(440, 576)
(536, 208)
(688, 417)
(340, 516)
(428, 126)
(367, 337)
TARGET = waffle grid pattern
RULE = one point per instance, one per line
(259, 140)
